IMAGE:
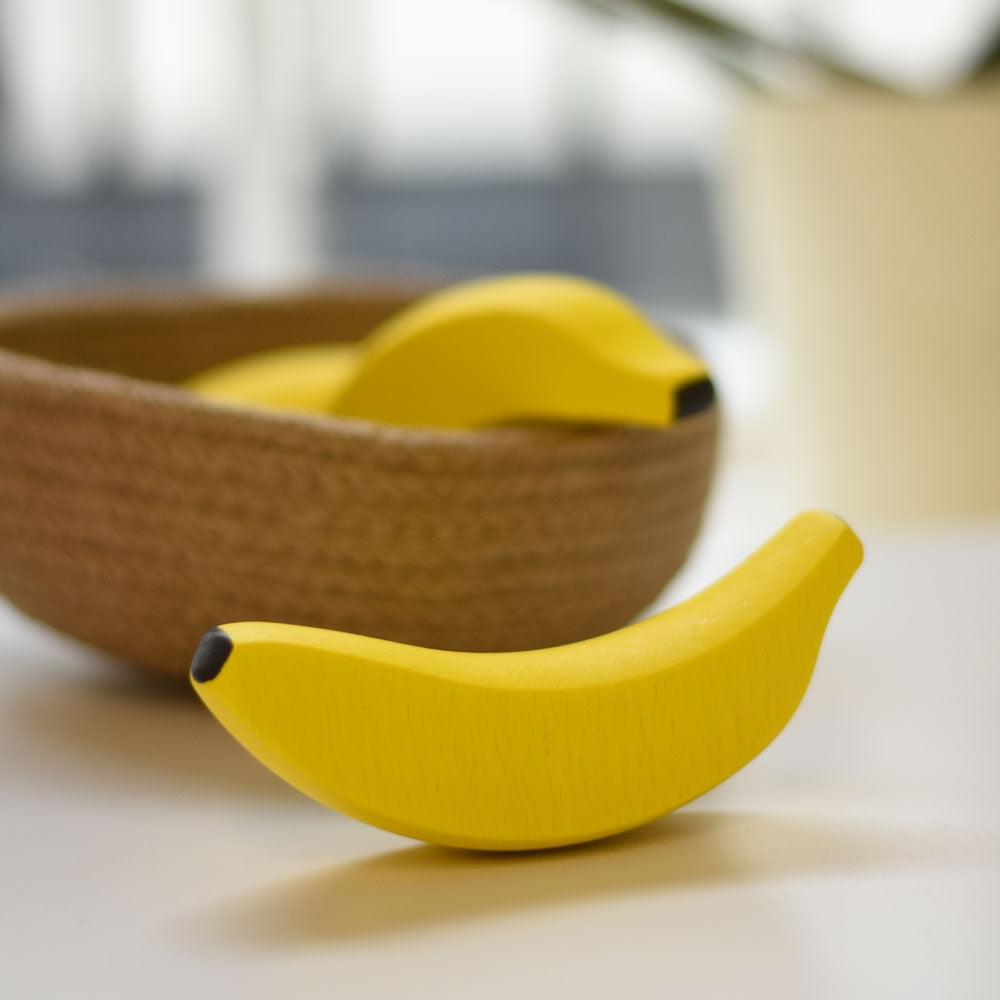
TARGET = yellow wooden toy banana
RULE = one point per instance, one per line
(514, 751)
(304, 377)
(522, 347)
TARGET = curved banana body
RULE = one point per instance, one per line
(523, 347)
(303, 377)
(524, 750)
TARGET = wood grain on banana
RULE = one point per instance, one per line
(522, 347)
(544, 747)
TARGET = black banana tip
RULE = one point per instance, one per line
(693, 398)
(211, 655)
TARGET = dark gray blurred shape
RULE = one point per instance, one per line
(108, 233)
(652, 237)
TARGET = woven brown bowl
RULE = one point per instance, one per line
(134, 514)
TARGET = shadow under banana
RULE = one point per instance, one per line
(425, 886)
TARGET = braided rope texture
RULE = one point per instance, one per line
(135, 514)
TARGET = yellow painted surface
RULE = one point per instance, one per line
(536, 749)
(303, 377)
(534, 346)
(522, 347)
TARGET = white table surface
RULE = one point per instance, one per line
(144, 854)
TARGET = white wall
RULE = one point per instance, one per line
(440, 86)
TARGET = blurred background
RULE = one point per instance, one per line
(808, 189)
(262, 142)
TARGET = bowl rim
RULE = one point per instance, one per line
(36, 308)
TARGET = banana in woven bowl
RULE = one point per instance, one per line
(135, 514)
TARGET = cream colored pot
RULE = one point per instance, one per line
(867, 235)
